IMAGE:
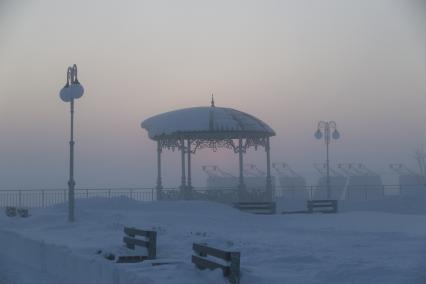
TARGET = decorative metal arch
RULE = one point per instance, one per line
(238, 138)
(214, 144)
(195, 143)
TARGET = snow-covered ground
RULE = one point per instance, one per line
(12, 272)
(349, 247)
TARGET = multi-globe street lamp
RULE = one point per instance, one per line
(71, 91)
(324, 131)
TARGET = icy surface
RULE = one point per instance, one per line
(203, 119)
(349, 247)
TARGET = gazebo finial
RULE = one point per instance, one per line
(212, 105)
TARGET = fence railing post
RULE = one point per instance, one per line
(42, 198)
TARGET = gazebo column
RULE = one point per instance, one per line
(189, 183)
(268, 170)
(241, 185)
(183, 178)
(159, 186)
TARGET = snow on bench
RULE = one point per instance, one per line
(231, 269)
(322, 206)
(257, 207)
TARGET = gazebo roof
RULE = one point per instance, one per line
(206, 123)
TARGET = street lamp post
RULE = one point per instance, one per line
(71, 91)
(324, 130)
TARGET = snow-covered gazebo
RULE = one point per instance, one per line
(212, 127)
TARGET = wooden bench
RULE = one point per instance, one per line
(149, 241)
(23, 212)
(231, 270)
(322, 206)
(257, 207)
(13, 211)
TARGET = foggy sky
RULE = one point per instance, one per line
(290, 63)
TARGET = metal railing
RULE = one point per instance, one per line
(48, 197)
(359, 192)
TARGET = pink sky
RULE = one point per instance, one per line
(290, 63)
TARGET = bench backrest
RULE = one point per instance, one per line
(149, 241)
(231, 270)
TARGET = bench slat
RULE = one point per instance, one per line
(205, 263)
(133, 242)
(135, 232)
(201, 249)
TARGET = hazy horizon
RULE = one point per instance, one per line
(289, 63)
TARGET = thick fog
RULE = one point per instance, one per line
(289, 63)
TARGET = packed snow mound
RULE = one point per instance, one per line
(201, 209)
